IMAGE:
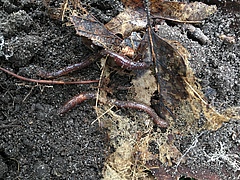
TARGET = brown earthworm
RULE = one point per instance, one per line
(122, 104)
(124, 62)
(89, 60)
(78, 99)
(140, 106)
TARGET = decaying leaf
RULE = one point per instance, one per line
(161, 172)
(121, 160)
(127, 21)
(169, 154)
(134, 4)
(133, 18)
(90, 27)
(144, 86)
(179, 97)
(195, 11)
(175, 11)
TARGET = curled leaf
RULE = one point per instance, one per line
(127, 21)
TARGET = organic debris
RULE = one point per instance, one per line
(127, 21)
(171, 89)
(193, 12)
(161, 172)
(88, 26)
(179, 99)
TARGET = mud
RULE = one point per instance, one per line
(36, 142)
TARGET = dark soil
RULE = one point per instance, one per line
(37, 143)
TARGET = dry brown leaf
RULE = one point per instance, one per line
(161, 172)
(133, 3)
(128, 21)
(133, 18)
(175, 11)
(195, 11)
(179, 99)
(90, 27)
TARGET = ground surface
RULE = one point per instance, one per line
(36, 142)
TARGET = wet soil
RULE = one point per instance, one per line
(37, 143)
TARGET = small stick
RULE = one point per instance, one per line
(176, 20)
(47, 81)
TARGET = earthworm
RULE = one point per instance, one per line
(124, 62)
(47, 81)
(122, 104)
(140, 106)
(71, 68)
(78, 99)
